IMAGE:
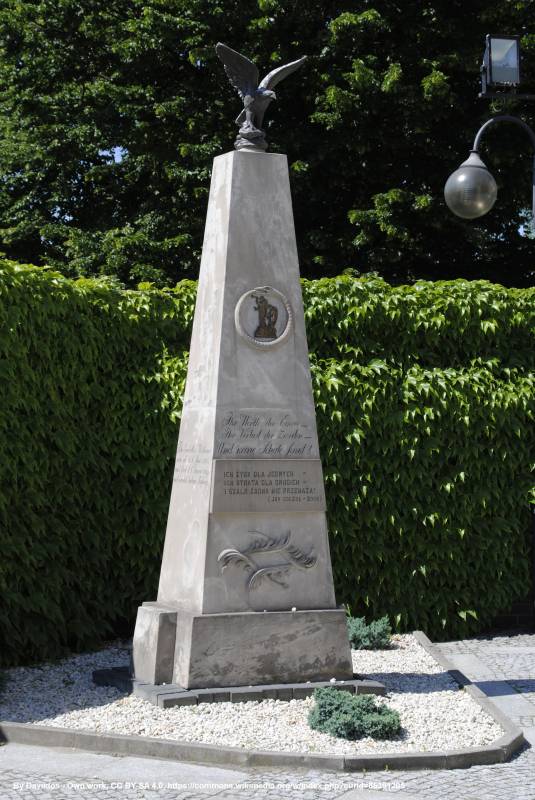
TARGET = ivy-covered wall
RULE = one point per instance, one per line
(425, 399)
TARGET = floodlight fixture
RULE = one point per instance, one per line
(501, 61)
(500, 70)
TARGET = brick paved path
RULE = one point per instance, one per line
(504, 667)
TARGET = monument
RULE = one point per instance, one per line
(246, 592)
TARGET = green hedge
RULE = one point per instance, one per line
(425, 398)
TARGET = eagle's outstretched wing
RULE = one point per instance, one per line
(241, 72)
(276, 75)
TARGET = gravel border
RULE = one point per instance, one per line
(500, 750)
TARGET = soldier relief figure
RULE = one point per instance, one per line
(267, 318)
(263, 316)
(243, 75)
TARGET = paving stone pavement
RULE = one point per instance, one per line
(504, 667)
(39, 772)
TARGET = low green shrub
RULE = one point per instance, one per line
(350, 716)
(375, 636)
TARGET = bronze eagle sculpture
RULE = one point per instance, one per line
(243, 76)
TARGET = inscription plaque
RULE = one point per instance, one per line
(264, 433)
(260, 485)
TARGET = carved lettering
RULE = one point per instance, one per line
(264, 435)
(192, 464)
(260, 485)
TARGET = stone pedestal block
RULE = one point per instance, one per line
(251, 648)
(154, 644)
(202, 651)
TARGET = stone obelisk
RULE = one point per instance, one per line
(246, 592)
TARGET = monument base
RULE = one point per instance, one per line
(168, 695)
(239, 649)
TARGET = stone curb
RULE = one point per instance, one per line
(144, 746)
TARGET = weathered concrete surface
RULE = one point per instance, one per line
(250, 406)
(247, 528)
(154, 644)
(238, 584)
(252, 648)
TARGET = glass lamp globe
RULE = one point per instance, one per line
(470, 191)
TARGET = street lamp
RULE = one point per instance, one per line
(471, 191)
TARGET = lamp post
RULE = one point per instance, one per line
(471, 190)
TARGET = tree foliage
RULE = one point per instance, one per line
(111, 114)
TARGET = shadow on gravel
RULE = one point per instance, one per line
(33, 710)
(413, 682)
(43, 692)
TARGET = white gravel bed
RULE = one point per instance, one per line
(435, 714)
